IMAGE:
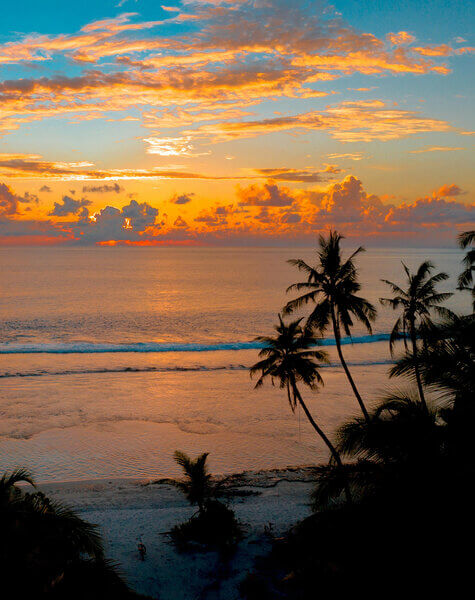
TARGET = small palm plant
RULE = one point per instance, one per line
(466, 278)
(289, 358)
(214, 524)
(332, 285)
(416, 302)
(196, 485)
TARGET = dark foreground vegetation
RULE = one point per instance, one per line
(393, 508)
(48, 551)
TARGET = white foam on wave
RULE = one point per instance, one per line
(149, 347)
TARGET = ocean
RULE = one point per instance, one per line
(112, 358)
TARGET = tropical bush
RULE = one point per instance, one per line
(214, 524)
(48, 551)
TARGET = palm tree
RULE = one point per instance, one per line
(401, 431)
(291, 358)
(196, 485)
(402, 441)
(417, 302)
(447, 365)
(52, 549)
(8, 485)
(465, 280)
(332, 286)
(447, 361)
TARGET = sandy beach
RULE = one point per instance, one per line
(129, 510)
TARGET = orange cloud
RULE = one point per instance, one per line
(230, 56)
(436, 149)
(449, 190)
(32, 166)
(362, 121)
(401, 38)
(267, 195)
(266, 213)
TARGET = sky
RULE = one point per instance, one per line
(243, 122)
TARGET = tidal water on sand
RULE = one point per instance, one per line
(112, 358)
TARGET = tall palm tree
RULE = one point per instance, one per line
(290, 358)
(417, 301)
(196, 485)
(466, 279)
(332, 285)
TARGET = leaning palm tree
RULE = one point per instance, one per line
(289, 358)
(466, 279)
(332, 285)
(196, 485)
(416, 302)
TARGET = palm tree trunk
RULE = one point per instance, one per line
(416, 364)
(336, 332)
(321, 433)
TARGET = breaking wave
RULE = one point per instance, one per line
(148, 369)
(148, 347)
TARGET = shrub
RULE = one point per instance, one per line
(216, 526)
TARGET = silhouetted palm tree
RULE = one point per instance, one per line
(290, 358)
(402, 440)
(196, 485)
(332, 284)
(447, 364)
(416, 303)
(8, 485)
(47, 544)
(466, 279)
(447, 360)
(401, 431)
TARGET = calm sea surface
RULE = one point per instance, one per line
(112, 358)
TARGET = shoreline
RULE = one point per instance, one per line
(294, 472)
(267, 503)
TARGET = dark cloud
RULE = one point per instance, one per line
(9, 201)
(103, 189)
(267, 195)
(28, 197)
(180, 222)
(182, 198)
(141, 215)
(297, 175)
(431, 211)
(290, 218)
(68, 206)
(110, 223)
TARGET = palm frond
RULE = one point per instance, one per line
(466, 238)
